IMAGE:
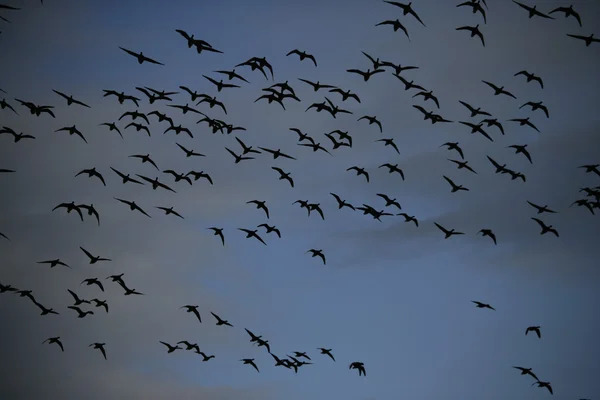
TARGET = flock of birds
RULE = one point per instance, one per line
(280, 93)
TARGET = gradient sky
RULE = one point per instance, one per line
(392, 295)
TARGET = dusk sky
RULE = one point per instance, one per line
(392, 295)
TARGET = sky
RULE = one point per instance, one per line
(392, 295)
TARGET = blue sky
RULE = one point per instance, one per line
(392, 295)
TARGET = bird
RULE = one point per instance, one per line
(37, 110)
(537, 106)
(133, 206)
(393, 168)
(141, 58)
(201, 174)
(53, 263)
(524, 121)
(178, 176)
(170, 348)
(189, 346)
(247, 149)
(218, 232)
(4, 104)
(303, 55)
(532, 10)
(112, 127)
(250, 361)
(531, 77)
(70, 99)
(527, 371)
(93, 281)
(125, 177)
(493, 122)
(463, 165)
(276, 153)
(454, 146)
(55, 340)
(72, 130)
(365, 74)
(231, 75)
(499, 90)
(220, 84)
(396, 24)
(406, 9)
(192, 309)
(145, 159)
(488, 232)
(221, 321)
(569, 12)
(284, 175)
(100, 303)
(155, 183)
(270, 229)
(70, 207)
(389, 201)
(540, 209)
(252, 233)
(169, 210)
(545, 228)
(447, 233)
(587, 39)
(474, 32)
(93, 259)
(317, 85)
(78, 301)
(591, 168)
(239, 158)
(455, 187)
(521, 149)
(80, 312)
(358, 366)
(535, 329)
(189, 153)
(91, 172)
(326, 352)
(479, 304)
(409, 218)
(341, 203)
(318, 253)
(260, 205)
(475, 6)
(359, 171)
(372, 120)
(544, 385)
(346, 94)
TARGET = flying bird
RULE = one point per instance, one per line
(489, 233)
(193, 310)
(250, 361)
(70, 207)
(545, 228)
(537, 106)
(141, 58)
(527, 371)
(532, 11)
(303, 55)
(499, 90)
(133, 206)
(447, 232)
(91, 172)
(218, 232)
(406, 9)
(53, 263)
(360, 367)
(531, 77)
(155, 183)
(454, 146)
(524, 121)
(396, 24)
(569, 12)
(252, 233)
(93, 259)
(587, 39)
(541, 209)
(535, 329)
(221, 321)
(479, 304)
(475, 6)
(55, 340)
(318, 253)
(284, 175)
(455, 187)
(474, 32)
